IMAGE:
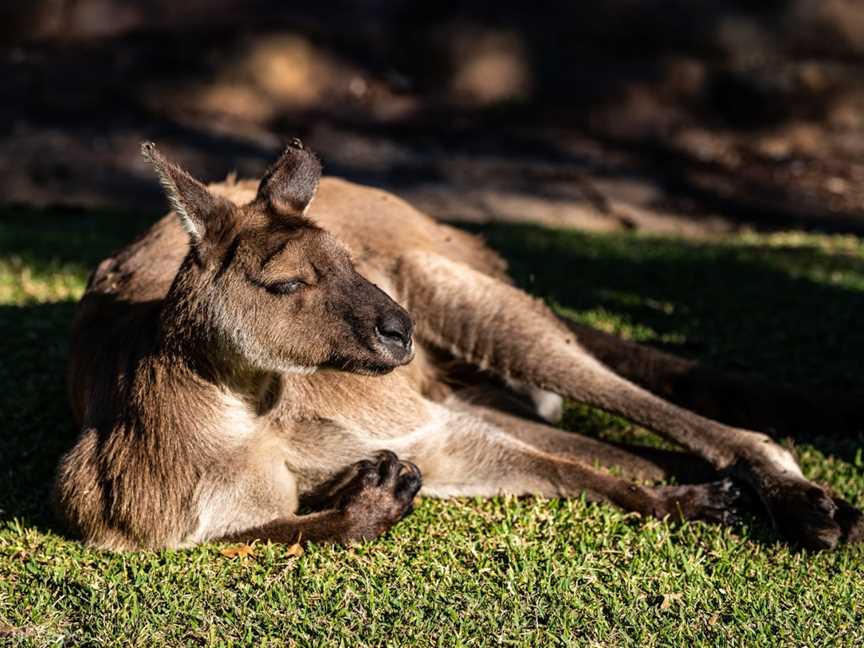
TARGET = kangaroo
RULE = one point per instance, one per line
(248, 369)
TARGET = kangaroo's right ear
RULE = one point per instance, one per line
(200, 212)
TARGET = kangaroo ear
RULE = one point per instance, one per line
(290, 184)
(200, 212)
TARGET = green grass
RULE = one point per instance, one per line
(507, 571)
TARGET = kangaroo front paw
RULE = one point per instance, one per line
(712, 502)
(378, 494)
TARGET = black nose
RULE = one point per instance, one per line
(394, 330)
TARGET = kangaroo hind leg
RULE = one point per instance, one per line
(495, 326)
(470, 456)
(638, 462)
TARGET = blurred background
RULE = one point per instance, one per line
(691, 117)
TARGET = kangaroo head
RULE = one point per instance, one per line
(267, 287)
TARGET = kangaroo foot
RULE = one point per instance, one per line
(808, 515)
(850, 519)
(803, 513)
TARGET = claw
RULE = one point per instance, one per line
(388, 465)
(409, 482)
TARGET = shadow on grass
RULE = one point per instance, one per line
(36, 419)
(792, 313)
(34, 411)
(80, 238)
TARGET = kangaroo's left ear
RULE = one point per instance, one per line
(201, 213)
(290, 184)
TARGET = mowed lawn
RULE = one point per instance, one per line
(522, 572)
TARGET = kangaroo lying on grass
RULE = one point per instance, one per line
(252, 356)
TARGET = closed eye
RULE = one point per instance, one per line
(285, 287)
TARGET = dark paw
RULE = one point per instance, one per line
(805, 514)
(810, 516)
(378, 494)
(850, 520)
(712, 502)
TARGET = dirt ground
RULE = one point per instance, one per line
(691, 118)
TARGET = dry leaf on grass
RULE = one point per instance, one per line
(294, 550)
(238, 551)
(668, 599)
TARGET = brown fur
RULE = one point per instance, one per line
(253, 350)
